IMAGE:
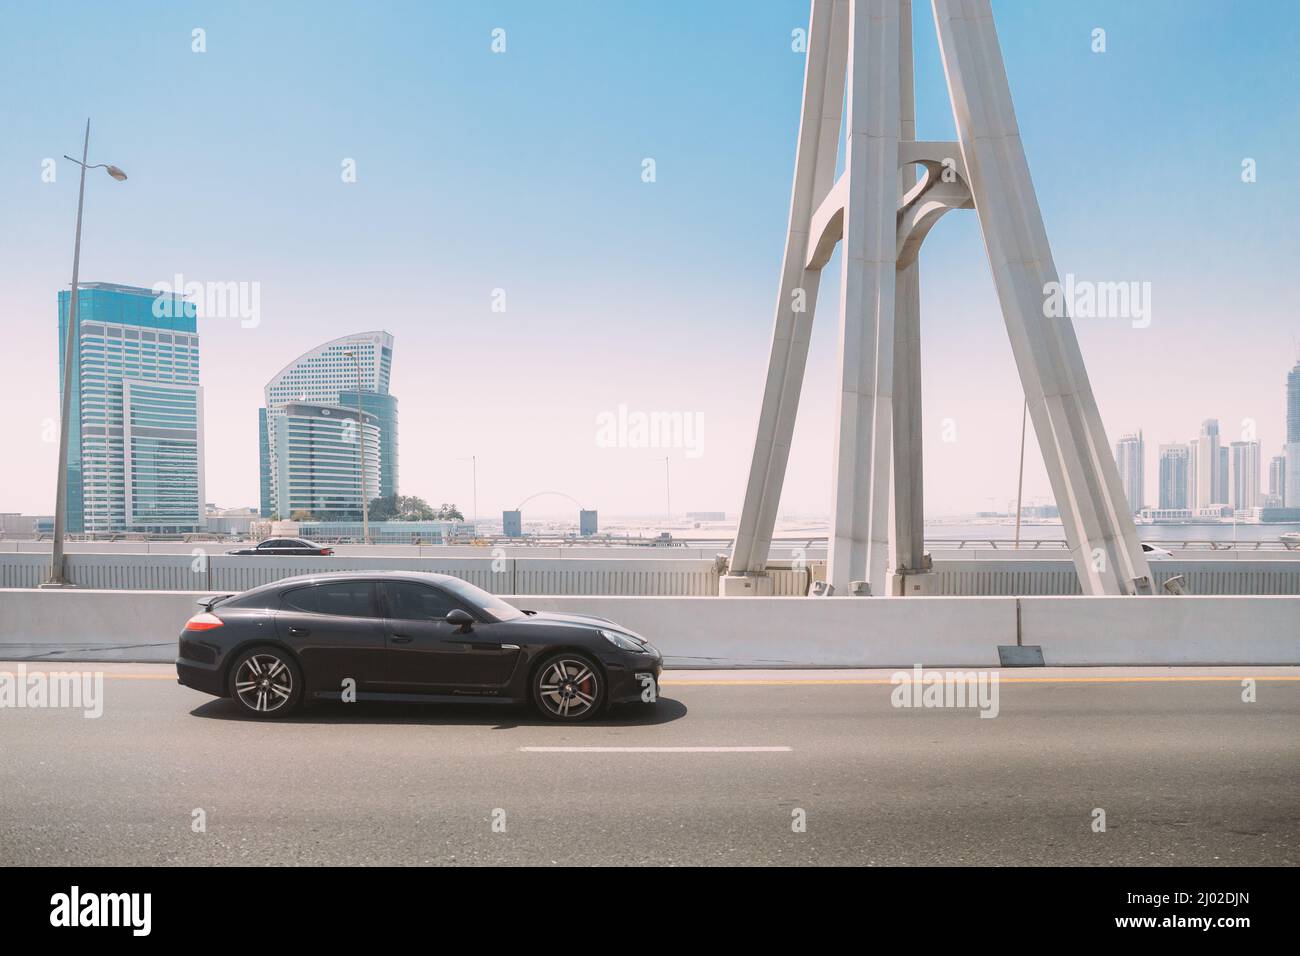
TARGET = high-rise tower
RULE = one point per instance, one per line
(331, 376)
(135, 453)
(1130, 458)
(1292, 449)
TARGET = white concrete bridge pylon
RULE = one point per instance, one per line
(859, 66)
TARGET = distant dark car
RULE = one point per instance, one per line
(286, 547)
(408, 636)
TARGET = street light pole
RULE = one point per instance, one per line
(361, 458)
(1020, 484)
(668, 486)
(58, 575)
(473, 459)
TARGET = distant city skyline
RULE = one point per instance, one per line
(466, 229)
(1206, 471)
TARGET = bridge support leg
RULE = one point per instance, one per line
(911, 564)
(858, 557)
(814, 173)
(1095, 515)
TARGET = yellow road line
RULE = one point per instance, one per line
(845, 682)
(108, 675)
(1001, 679)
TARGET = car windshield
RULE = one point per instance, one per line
(492, 605)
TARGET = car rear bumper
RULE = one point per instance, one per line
(200, 676)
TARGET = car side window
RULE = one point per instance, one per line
(273, 543)
(341, 598)
(417, 602)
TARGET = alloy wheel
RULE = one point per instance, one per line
(569, 688)
(264, 683)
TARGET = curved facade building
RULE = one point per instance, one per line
(350, 367)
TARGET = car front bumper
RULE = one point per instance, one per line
(633, 678)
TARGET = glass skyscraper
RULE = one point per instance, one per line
(1293, 405)
(1175, 477)
(135, 452)
(322, 378)
(1208, 467)
(1130, 458)
(318, 468)
(1291, 450)
(1243, 489)
(384, 408)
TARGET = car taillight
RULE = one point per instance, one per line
(326, 550)
(204, 622)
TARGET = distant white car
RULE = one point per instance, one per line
(1156, 554)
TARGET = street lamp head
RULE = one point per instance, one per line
(115, 173)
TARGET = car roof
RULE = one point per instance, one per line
(422, 577)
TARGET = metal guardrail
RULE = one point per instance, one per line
(1047, 578)
(810, 546)
(696, 577)
(1059, 544)
(1222, 574)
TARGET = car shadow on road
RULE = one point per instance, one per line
(497, 716)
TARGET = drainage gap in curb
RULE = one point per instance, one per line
(1020, 655)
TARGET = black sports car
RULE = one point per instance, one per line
(286, 547)
(394, 635)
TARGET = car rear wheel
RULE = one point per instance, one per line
(266, 682)
(568, 687)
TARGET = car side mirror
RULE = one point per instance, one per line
(460, 619)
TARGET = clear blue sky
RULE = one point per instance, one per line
(522, 171)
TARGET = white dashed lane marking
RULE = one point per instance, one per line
(656, 750)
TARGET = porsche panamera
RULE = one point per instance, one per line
(407, 636)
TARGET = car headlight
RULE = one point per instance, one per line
(623, 641)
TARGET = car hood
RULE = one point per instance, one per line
(585, 620)
(551, 618)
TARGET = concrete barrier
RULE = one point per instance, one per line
(1163, 630)
(806, 632)
(89, 625)
(80, 625)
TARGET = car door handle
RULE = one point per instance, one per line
(299, 631)
(401, 639)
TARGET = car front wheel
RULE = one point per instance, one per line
(266, 682)
(569, 687)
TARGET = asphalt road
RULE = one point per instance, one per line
(1186, 772)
